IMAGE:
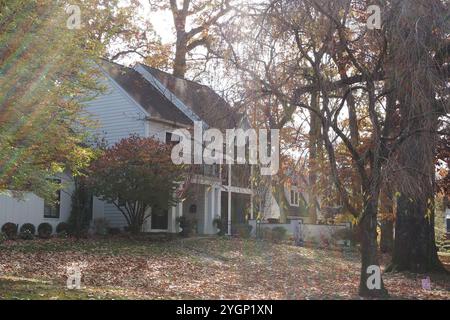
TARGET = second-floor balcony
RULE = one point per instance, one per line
(240, 173)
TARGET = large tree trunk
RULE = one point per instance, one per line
(415, 89)
(369, 250)
(179, 19)
(179, 64)
(414, 247)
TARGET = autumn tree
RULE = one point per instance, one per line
(289, 59)
(45, 77)
(193, 21)
(136, 174)
(123, 31)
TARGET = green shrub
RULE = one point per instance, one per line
(30, 228)
(278, 234)
(26, 235)
(243, 230)
(10, 230)
(220, 224)
(45, 230)
(62, 227)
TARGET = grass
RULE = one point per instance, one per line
(107, 246)
(194, 268)
(13, 288)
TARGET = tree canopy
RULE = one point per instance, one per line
(45, 77)
(136, 174)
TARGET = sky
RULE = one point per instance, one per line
(162, 22)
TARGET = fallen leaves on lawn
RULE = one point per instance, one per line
(208, 268)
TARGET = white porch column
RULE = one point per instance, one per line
(210, 210)
(215, 207)
(229, 199)
(219, 202)
(251, 187)
(213, 210)
(173, 219)
(180, 209)
(179, 214)
(206, 205)
(175, 212)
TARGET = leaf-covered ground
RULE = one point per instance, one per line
(202, 268)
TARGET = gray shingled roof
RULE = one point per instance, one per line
(202, 100)
(144, 93)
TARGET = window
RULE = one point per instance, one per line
(294, 198)
(159, 219)
(52, 209)
(169, 136)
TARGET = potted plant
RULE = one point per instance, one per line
(187, 225)
(220, 224)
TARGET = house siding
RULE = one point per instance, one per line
(116, 117)
(115, 114)
(30, 209)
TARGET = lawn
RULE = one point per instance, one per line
(197, 268)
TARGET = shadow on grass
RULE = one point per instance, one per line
(12, 288)
(98, 246)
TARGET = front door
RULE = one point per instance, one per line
(160, 219)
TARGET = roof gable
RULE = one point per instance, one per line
(202, 100)
(144, 93)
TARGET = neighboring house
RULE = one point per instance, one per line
(295, 201)
(151, 103)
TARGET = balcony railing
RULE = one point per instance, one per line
(240, 173)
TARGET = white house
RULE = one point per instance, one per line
(151, 103)
(293, 201)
